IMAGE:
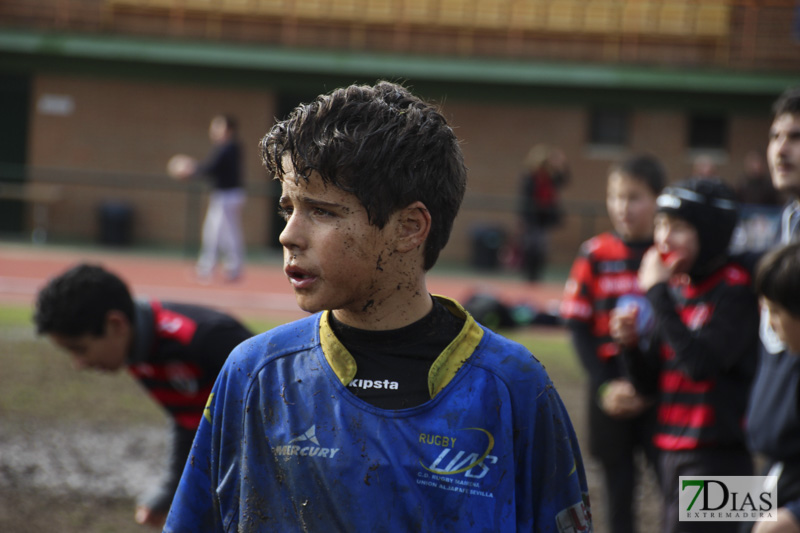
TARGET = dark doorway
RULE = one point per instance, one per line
(14, 100)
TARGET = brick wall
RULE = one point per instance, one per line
(123, 131)
(118, 138)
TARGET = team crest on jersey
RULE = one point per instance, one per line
(175, 326)
(170, 324)
(305, 445)
(458, 462)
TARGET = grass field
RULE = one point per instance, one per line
(104, 436)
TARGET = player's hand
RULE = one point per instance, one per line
(622, 326)
(654, 269)
(786, 523)
(181, 166)
(619, 399)
(147, 517)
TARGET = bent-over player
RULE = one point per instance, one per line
(174, 350)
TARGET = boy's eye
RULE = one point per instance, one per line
(284, 212)
(322, 212)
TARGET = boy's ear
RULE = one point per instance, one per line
(414, 225)
(116, 322)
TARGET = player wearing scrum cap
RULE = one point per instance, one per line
(702, 356)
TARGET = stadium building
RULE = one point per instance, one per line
(98, 94)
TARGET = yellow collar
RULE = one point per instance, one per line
(442, 370)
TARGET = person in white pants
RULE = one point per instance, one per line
(222, 228)
(222, 232)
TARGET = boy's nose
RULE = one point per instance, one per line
(291, 236)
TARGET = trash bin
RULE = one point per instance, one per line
(486, 244)
(115, 221)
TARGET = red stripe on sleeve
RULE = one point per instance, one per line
(693, 416)
(671, 442)
(675, 381)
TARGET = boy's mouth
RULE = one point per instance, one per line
(298, 277)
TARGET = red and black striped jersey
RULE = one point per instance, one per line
(705, 352)
(605, 269)
(179, 351)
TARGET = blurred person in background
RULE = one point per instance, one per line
(546, 173)
(704, 167)
(773, 413)
(783, 156)
(701, 355)
(776, 433)
(222, 228)
(755, 186)
(760, 215)
(174, 350)
(603, 276)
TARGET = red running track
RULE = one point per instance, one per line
(263, 292)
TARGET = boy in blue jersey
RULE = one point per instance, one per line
(388, 409)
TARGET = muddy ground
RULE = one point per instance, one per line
(77, 448)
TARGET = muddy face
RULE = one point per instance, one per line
(333, 256)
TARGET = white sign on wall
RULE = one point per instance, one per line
(55, 104)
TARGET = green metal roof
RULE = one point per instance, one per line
(107, 48)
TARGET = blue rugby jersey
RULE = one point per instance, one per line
(284, 446)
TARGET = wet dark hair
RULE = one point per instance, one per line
(645, 168)
(778, 277)
(76, 302)
(382, 144)
(788, 102)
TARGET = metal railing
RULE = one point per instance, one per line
(42, 188)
